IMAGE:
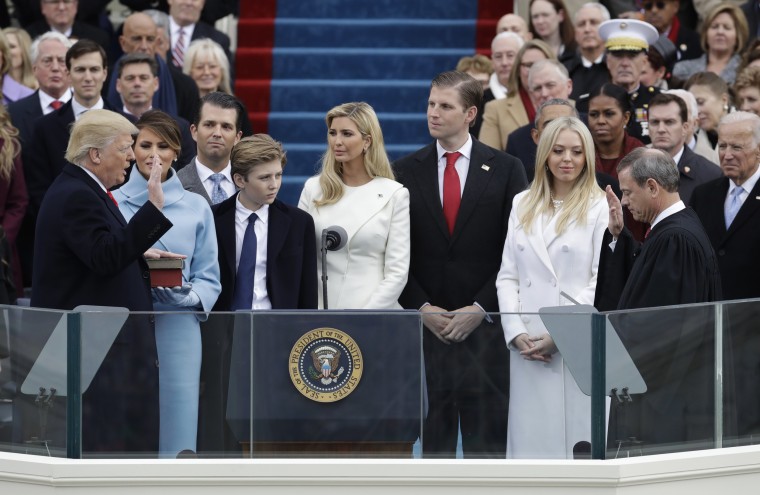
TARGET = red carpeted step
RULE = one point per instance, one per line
(256, 33)
(255, 93)
(259, 122)
(256, 9)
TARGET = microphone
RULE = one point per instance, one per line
(335, 238)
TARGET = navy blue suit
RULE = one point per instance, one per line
(291, 284)
(90, 255)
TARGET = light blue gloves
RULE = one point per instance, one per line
(177, 296)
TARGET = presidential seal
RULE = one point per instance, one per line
(325, 365)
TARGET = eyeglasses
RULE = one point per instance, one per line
(650, 5)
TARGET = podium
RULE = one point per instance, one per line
(333, 383)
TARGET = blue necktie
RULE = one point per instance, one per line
(243, 296)
(734, 204)
(217, 193)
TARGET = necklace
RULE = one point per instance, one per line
(556, 203)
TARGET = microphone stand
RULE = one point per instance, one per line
(324, 267)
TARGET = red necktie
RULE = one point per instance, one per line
(112, 198)
(56, 104)
(452, 195)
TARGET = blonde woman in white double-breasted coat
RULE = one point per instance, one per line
(356, 191)
(553, 245)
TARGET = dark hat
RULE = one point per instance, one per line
(667, 51)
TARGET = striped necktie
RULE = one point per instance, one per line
(178, 54)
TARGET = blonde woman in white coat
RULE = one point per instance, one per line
(355, 190)
(553, 244)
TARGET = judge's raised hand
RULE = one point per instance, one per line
(463, 322)
(542, 348)
(435, 319)
(615, 225)
(155, 191)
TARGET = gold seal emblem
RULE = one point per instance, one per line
(325, 365)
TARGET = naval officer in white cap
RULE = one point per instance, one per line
(627, 42)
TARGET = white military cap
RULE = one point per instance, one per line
(627, 35)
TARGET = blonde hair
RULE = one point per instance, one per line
(376, 161)
(214, 51)
(5, 52)
(585, 189)
(96, 129)
(25, 44)
(11, 146)
(740, 25)
(514, 83)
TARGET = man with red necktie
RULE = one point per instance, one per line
(460, 194)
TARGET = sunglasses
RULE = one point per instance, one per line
(650, 5)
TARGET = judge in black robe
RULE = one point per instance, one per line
(672, 348)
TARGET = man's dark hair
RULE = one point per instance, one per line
(221, 100)
(83, 47)
(661, 99)
(137, 58)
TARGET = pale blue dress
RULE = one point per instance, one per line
(178, 336)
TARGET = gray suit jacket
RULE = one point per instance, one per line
(191, 181)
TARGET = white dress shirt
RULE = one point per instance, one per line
(670, 210)
(174, 30)
(261, 228)
(79, 109)
(204, 173)
(46, 100)
(748, 185)
(462, 165)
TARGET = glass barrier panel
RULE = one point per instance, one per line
(380, 384)
(741, 330)
(550, 384)
(33, 381)
(672, 399)
(224, 384)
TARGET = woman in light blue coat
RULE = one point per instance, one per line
(178, 337)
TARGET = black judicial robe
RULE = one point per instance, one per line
(672, 348)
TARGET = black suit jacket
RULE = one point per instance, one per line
(45, 158)
(453, 271)
(187, 93)
(751, 13)
(23, 113)
(694, 170)
(737, 246)
(90, 255)
(79, 30)
(291, 256)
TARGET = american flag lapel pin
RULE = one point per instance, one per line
(485, 167)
